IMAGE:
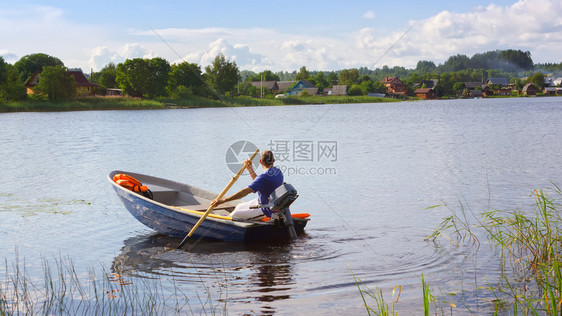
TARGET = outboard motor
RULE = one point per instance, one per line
(279, 202)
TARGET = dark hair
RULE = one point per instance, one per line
(267, 158)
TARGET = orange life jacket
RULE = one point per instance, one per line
(132, 184)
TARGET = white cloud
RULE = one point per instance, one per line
(8, 56)
(369, 15)
(532, 25)
(240, 53)
(101, 56)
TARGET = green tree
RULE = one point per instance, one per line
(425, 66)
(266, 75)
(455, 63)
(379, 87)
(355, 90)
(349, 77)
(12, 88)
(3, 70)
(458, 86)
(320, 81)
(32, 63)
(132, 77)
(222, 75)
(56, 84)
(187, 75)
(159, 73)
(303, 74)
(537, 79)
(107, 76)
(332, 78)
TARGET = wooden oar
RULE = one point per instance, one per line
(210, 209)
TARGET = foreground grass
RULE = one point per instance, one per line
(63, 292)
(124, 103)
(530, 247)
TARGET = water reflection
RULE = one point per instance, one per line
(253, 273)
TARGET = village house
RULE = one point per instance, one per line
(425, 93)
(549, 90)
(298, 87)
(431, 83)
(529, 90)
(497, 81)
(83, 86)
(395, 86)
(336, 90)
(503, 91)
(270, 86)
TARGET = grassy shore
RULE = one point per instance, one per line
(124, 103)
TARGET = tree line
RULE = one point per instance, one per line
(157, 78)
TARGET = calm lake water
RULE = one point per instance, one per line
(366, 173)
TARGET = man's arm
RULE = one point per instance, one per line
(236, 196)
(248, 164)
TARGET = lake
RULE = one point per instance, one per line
(365, 172)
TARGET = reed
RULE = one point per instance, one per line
(61, 291)
(382, 307)
(529, 244)
(530, 263)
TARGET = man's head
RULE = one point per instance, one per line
(267, 158)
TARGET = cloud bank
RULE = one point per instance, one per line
(532, 25)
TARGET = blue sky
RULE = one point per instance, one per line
(283, 35)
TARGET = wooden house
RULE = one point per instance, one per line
(299, 86)
(549, 90)
(83, 86)
(336, 90)
(494, 81)
(395, 86)
(529, 89)
(32, 82)
(270, 86)
(425, 93)
(503, 91)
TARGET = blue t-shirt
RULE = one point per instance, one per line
(265, 184)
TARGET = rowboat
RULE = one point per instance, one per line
(176, 207)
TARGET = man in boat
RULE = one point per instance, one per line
(263, 185)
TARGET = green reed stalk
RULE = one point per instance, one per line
(530, 244)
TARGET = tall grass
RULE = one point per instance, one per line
(529, 244)
(80, 104)
(62, 291)
(530, 248)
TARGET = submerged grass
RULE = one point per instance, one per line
(530, 248)
(63, 292)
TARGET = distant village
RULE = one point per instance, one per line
(500, 73)
(395, 88)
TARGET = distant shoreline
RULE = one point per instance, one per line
(124, 103)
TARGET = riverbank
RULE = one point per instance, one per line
(124, 103)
